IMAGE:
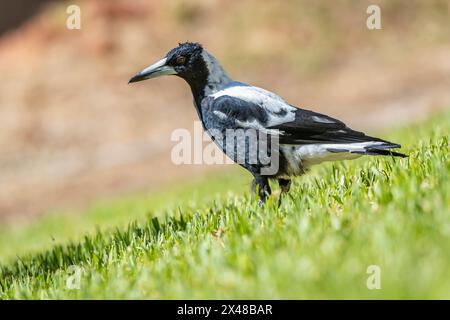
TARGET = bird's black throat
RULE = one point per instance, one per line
(197, 80)
(202, 71)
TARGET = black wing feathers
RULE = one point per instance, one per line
(233, 109)
(310, 127)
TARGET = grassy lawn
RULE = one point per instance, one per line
(210, 239)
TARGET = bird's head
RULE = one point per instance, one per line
(186, 61)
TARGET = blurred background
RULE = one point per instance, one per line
(72, 130)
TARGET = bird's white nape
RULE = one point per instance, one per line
(217, 77)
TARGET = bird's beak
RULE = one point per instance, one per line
(155, 70)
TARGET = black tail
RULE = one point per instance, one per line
(379, 147)
(384, 152)
(381, 150)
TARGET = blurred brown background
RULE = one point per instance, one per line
(72, 130)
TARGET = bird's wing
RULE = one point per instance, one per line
(227, 112)
(309, 127)
(246, 107)
(250, 107)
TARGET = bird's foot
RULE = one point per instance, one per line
(285, 186)
(261, 186)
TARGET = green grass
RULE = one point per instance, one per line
(337, 221)
(59, 227)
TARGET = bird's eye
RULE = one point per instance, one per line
(180, 60)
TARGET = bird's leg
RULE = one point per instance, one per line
(263, 188)
(285, 185)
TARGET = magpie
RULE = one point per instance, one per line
(303, 137)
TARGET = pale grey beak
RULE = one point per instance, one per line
(155, 70)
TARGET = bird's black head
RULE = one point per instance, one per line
(185, 61)
(194, 64)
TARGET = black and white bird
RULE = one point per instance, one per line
(304, 137)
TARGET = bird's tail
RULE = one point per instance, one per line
(369, 148)
(382, 152)
(382, 149)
